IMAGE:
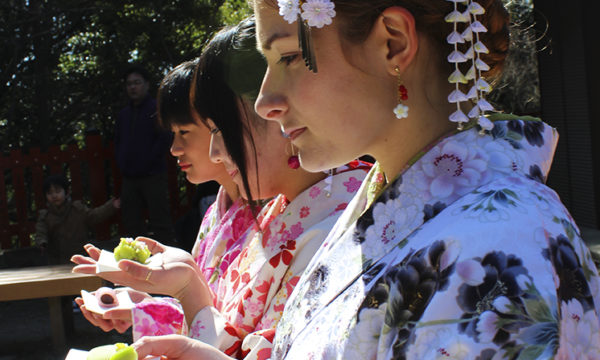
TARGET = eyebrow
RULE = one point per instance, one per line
(266, 45)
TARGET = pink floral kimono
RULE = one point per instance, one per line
(253, 276)
(222, 232)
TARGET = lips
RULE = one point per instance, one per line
(294, 133)
(233, 173)
(184, 167)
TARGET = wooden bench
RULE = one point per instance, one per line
(50, 282)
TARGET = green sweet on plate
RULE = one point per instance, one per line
(132, 250)
(118, 351)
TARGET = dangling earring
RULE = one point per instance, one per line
(293, 160)
(328, 182)
(401, 110)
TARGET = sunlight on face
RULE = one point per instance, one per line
(190, 146)
(265, 159)
(326, 115)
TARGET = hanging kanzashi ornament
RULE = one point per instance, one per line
(308, 13)
(479, 87)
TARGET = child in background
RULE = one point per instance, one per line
(62, 229)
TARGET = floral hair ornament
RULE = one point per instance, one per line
(308, 13)
(479, 87)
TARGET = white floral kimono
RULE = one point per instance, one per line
(251, 290)
(465, 255)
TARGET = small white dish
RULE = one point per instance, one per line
(75, 354)
(92, 304)
(107, 263)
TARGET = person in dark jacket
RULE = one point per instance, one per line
(141, 148)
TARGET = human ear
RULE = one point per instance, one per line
(397, 35)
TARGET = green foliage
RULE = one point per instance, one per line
(62, 61)
(234, 11)
(517, 91)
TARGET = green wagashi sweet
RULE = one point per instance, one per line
(132, 250)
(118, 351)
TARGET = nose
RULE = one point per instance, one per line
(216, 150)
(176, 146)
(271, 104)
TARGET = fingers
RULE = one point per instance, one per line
(95, 319)
(177, 347)
(153, 245)
(121, 326)
(123, 315)
(135, 270)
(80, 259)
(92, 251)
(168, 345)
(138, 296)
(119, 320)
(85, 269)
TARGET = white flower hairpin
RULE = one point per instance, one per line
(308, 13)
(470, 35)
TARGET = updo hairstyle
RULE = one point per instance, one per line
(357, 17)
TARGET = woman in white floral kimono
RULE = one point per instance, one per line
(453, 247)
(250, 277)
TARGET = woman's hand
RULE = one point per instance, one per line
(177, 270)
(117, 319)
(177, 347)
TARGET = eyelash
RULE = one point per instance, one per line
(287, 59)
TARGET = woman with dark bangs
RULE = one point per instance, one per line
(248, 278)
(227, 219)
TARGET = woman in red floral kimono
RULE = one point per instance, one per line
(248, 278)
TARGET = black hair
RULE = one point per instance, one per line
(229, 71)
(173, 98)
(137, 69)
(58, 180)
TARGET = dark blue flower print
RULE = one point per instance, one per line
(535, 173)
(532, 130)
(407, 288)
(316, 282)
(430, 211)
(500, 279)
(573, 283)
(366, 220)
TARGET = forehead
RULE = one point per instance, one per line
(55, 188)
(270, 26)
(135, 76)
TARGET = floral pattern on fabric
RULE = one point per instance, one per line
(159, 316)
(251, 292)
(221, 236)
(465, 255)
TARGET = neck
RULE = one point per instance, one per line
(299, 180)
(230, 188)
(404, 138)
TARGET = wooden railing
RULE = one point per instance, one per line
(94, 177)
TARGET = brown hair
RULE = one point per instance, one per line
(358, 16)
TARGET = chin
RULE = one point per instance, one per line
(316, 163)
